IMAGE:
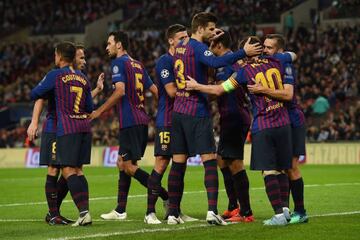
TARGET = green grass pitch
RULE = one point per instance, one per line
(332, 199)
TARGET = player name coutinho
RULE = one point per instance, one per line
(275, 106)
(73, 77)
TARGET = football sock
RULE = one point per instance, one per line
(211, 184)
(154, 184)
(79, 196)
(174, 187)
(62, 190)
(297, 192)
(51, 195)
(284, 188)
(229, 187)
(272, 188)
(123, 191)
(241, 185)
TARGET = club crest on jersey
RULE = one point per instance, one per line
(164, 73)
(164, 147)
(288, 71)
(208, 53)
(115, 69)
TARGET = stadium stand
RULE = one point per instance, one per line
(328, 77)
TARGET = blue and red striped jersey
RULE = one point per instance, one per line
(233, 107)
(296, 115)
(72, 97)
(267, 112)
(164, 74)
(136, 79)
(49, 125)
(192, 58)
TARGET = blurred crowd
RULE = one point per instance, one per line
(168, 12)
(50, 17)
(328, 79)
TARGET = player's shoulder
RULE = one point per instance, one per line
(166, 58)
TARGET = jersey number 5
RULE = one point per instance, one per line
(139, 86)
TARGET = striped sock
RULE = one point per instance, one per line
(241, 185)
(154, 184)
(212, 184)
(123, 191)
(272, 188)
(85, 184)
(62, 190)
(229, 187)
(51, 195)
(284, 188)
(79, 196)
(297, 192)
(182, 186)
(174, 187)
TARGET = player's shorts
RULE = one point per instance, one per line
(231, 143)
(192, 135)
(271, 149)
(298, 140)
(48, 149)
(132, 142)
(74, 150)
(162, 142)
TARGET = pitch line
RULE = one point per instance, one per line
(144, 230)
(192, 192)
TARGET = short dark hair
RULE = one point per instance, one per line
(66, 50)
(201, 20)
(121, 36)
(253, 39)
(174, 29)
(280, 40)
(224, 39)
(80, 46)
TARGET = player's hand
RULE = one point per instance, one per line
(252, 49)
(94, 115)
(191, 83)
(100, 82)
(256, 88)
(218, 32)
(32, 131)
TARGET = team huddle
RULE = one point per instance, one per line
(261, 72)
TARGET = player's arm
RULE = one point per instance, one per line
(208, 58)
(154, 90)
(32, 130)
(99, 85)
(89, 104)
(286, 57)
(118, 93)
(285, 94)
(46, 85)
(193, 85)
(171, 89)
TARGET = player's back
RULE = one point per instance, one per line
(233, 107)
(73, 101)
(164, 75)
(267, 112)
(186, 63)
(131, 106)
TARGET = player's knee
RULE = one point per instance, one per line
(68, 171)
(207, 157)
(53, 171)
(79, 171)
(161, 165)
(236, 166)
(294, 173)
(271, 172)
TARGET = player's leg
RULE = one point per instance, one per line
(233, 207)
(180, 151)
(70, 153)
(263, 158)
(241, 186)
(296, 180)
